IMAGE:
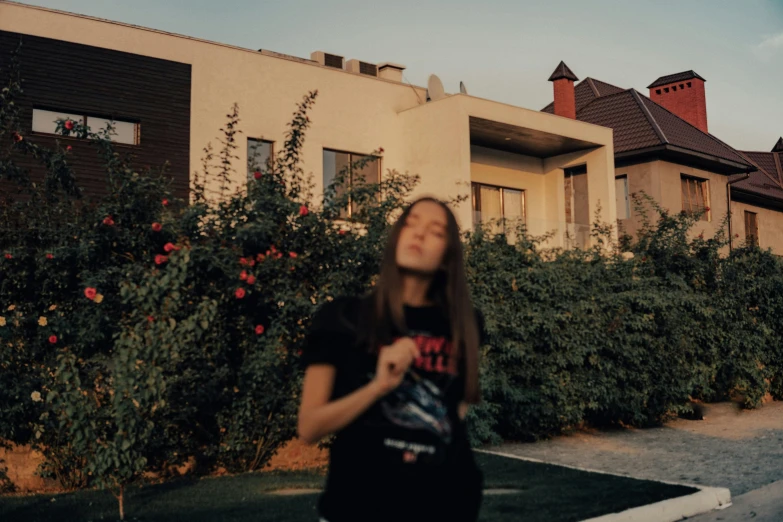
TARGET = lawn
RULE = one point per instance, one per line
(545, 493)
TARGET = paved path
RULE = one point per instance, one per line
(760, 505)
(739, 450)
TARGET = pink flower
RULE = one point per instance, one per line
(169, 247)
(157, 227)
(49, 256)
(69, 148)
(240, 293)
(243, 261)
(160, 259)
(69, 124)
(341, 232)
(243, 275)
(293, 255)
(165, 202)
(108, 221)
(8, 256)
(251, 261)
(279, 255)
(90, 292)
(303, 210)
(259, 329)
(257, 175)
(53, 339)
(251, 280)
(260, 257)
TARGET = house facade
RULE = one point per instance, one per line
(170, 94)
(663, 147)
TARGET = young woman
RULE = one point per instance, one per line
(391, 374)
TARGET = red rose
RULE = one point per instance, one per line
(259, 329)
(257, 175)
(160, 259)
(706, 209)
(53, 339)
(251, 261)
(240, 293)
(69, 148)
(251, 280)
(168, 247)
(293, 268)
(273, 249)
(150, 318)
(108, 221)
(303, 210)
(69, 124)
(157, 227)
(243, 261)
(279, 255)
(644, 259)
(8, 256)
(736, 235)
(90, 292)
(49, 256)
(165, 202)
(268, 252)
(243, 275)
(701, 236)
(341, 232)
(260, 257)
(380, 150)
(17, 137)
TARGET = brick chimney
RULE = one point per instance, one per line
(565, 101)
(682, 94)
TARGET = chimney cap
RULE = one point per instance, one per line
(674, 78)
(390, 65)
(562, 71)
(778, 146)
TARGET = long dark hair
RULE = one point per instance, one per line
(448, 290)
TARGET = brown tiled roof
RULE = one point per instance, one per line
(760, 184)
(672, 78)
(586, 91)
(562, 71)
(765, 161)
(625, 115)
(680, 133)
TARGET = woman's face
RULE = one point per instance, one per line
(423, 238)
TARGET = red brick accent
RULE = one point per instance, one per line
(689, 103)
(565, 101)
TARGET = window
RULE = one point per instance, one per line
(696, 196)
(621, 193)
(258, 154)
(345, 163)
(492, 203)
(125, 132)
(751, 228)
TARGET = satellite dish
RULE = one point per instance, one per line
(462, 88)
(435, 90)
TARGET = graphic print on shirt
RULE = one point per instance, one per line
(418, 404)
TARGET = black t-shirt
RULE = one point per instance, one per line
(407, 457)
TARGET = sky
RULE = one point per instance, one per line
(505, 50)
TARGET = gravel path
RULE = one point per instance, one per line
(739, 450)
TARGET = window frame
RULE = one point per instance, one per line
(705, 183)
(247, 153)
(351, 161)
(85, 116)
(476, 201)
(752, 238)
(627, 195)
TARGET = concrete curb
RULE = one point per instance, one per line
(703, 501)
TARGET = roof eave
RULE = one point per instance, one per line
(666, 151)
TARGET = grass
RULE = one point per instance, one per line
(546, 493)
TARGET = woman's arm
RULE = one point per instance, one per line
(317, 416)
